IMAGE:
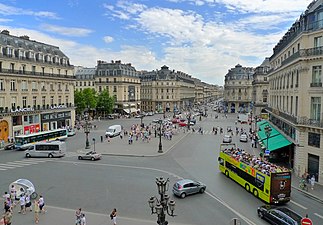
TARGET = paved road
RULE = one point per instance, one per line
(127, 182)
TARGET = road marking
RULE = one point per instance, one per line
(171, 174)
(299, 205)
(316, 214)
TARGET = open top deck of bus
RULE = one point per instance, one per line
(257, 163)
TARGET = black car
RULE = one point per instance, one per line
(279, 215)
(9, 146)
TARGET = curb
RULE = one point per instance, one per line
(308, 194)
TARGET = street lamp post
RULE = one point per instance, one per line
(93, 144)
(163, 205)
(160, 146)
(87, 131)
(267, 132)
(251, 121)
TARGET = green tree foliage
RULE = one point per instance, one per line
(105, 102)
(79, 101)
(85, 99)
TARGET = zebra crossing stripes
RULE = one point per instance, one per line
(21, 163)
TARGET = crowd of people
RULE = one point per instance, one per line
(258, 163)
(23, 201)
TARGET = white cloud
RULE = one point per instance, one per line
(108, 39)
(10, 10)
(67, 31)
(2, 20)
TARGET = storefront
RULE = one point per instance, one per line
(25, 124)
(59, 118)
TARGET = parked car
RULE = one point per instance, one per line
(244, 138)
(150, 113)
(185, 187)
(90, 156)
(279, 215)
(227, 138)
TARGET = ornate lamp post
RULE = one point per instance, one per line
(163, 205)
(251, 120)
(93, 144)
(87, 131)
(160, 146)
(267, 132)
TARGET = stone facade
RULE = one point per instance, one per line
(295, 90)
(238, 89)
(36, 87)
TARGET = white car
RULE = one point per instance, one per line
(227, 138)
(244, 138)
(90, 156)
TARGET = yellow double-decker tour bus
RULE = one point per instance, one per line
(267, 181)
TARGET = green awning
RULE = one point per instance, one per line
(275, 141)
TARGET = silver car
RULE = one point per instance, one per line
(90, 156)
(227, 138)
(185, 187)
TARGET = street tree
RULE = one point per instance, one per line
(105, 102)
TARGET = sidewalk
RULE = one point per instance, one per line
(56, 216)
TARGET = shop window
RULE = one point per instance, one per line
(314, 139)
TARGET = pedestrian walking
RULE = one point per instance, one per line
(312, 181)
(28, 203)
(41, 203)
(7, 218)
(252, 142)
(83, 220)
(113, 216)
(22, 203)
(36, 211)
(78, 215)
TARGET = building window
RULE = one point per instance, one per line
(34, 101)
(13, 85)
(34, 86)
(1, 85)
(59, 100)
(33, 70)
(51, 100)
(318, 41)
(316, 108)
(12, 67)
(114, 88)
(43, 100)
(24, 101)
(316, 75)
(13, 102)
(115, 80)
(66, 100)
(296, 105)
(24, 85)
(314, 139)
(51, 86)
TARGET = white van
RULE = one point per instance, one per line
(46, 149)
(113, 131)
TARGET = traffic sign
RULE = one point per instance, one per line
(267, 152)
(306, 221)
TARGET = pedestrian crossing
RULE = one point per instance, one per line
(30, 161)
(208, 132)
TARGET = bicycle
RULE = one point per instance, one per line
(303, 185)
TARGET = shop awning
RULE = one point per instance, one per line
(275, 141)
(126, 111)
(125, 105)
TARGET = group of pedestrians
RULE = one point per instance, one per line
(81, 219)
(11, 200)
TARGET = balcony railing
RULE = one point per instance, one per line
(316, 84)
(34, 60)
(305, 121)
(9, 71)
(318, 51)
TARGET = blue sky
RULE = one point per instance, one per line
(203, 38)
